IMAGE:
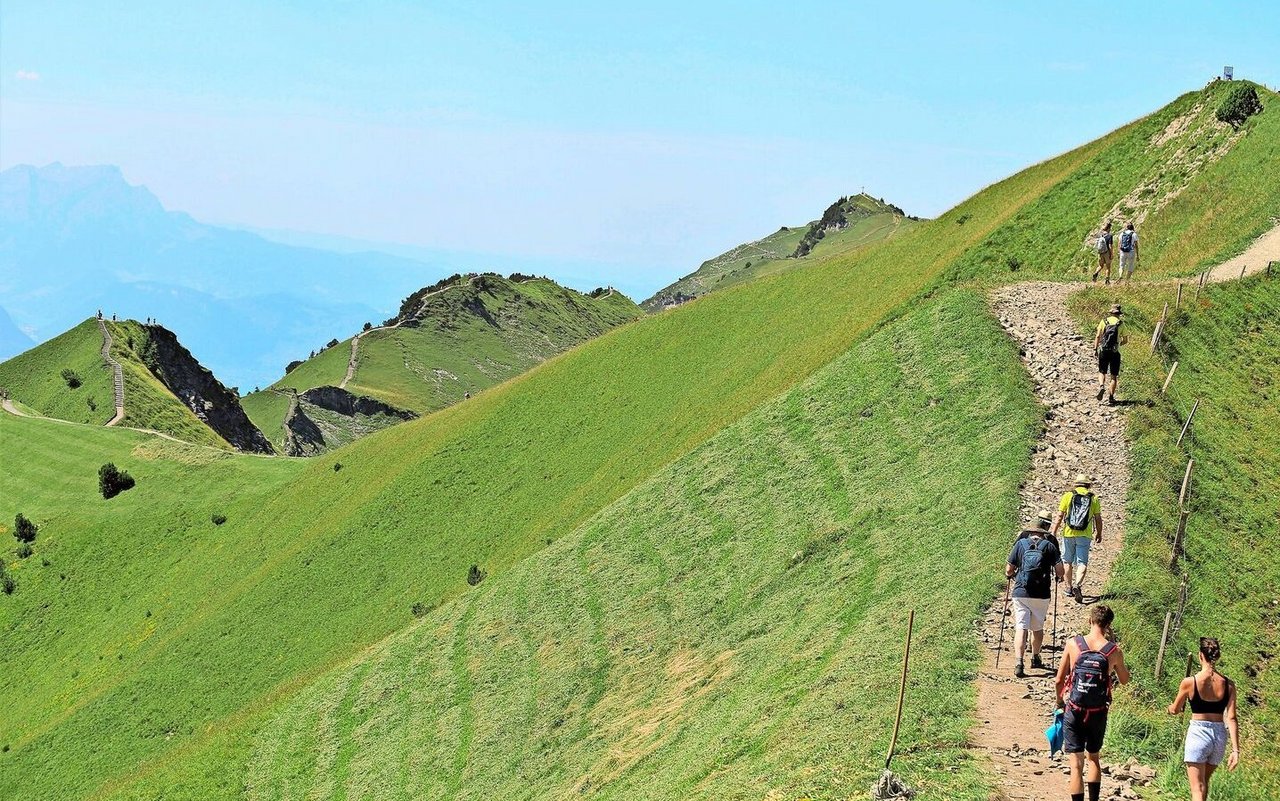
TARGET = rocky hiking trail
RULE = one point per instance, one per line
(1082, 435)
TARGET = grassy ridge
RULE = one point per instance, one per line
(725, 630)
(35, 377)
(1224, 207)
(415, 505)
(472, 336)
(1226, 347)
(148, 403)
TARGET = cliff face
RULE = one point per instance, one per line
(323, 418)
(195, 386)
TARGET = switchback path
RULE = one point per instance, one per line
(117, 373)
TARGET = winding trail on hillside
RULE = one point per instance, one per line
(1082, 435)
(117, 377)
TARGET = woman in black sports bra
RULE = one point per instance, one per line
(1212, 697)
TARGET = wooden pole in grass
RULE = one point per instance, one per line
(1187, 425)
(1177, 304)
(1155, 336)
(1178, 535)
(1186, 484)
(902, 690)
(1164, 640)
(1169, 378)
(1243, 267)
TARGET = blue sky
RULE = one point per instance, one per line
(637, 139)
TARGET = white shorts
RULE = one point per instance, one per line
(1206, 742)
(1030, 613)
(1127, 263)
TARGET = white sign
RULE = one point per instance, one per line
(1227, 73)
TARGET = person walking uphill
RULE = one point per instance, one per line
(1033, 564)
(1081, 511)
(1104, 247)
(1107, 339)
(1213, 720)
(1128, 252)
(1083, 686)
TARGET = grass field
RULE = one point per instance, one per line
(35, 377)
(1227, 346)
(470, 338)
(700, 531)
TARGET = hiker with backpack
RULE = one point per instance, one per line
(1083, 687)
(1128, 252)
(1103, 246)
(1212, 697)
(1081, 511)
(1032, 565)
(1107, 339)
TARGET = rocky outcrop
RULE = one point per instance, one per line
(323, 418)
(350, 404)
(197, 388)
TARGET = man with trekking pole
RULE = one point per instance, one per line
(1033, 559)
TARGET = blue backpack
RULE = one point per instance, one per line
(1091, 678)
(1126, 241)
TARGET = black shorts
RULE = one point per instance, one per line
(1083, 731)
(1109, 362)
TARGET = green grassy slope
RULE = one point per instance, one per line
(1228, 352)
(486, 482)
(470, 337)
(870, 220)
(316, 575)
(35, 377)
(731, 629)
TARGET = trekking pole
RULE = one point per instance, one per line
(902, 690)
(1056, 589)
(1003, 614)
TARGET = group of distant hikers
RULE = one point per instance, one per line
(1106, 244)
(1092, 663)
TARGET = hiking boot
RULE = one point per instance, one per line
(1019, 671)
(1078, 594)
(1101, 391)
(1111, 400)
(1036, 663)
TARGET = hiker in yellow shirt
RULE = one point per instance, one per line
(1081, 510)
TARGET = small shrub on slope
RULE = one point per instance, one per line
(71, 377)
(475, 575)
(112, 480)
(1240, 104)
(23, 529)
(7, 584)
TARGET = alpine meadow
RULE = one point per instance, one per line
(550, 544)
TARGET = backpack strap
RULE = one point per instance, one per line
(1107, 649)
(1081, 644)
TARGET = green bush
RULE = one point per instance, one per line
(7, 584)
(24, 550)
(112, 480)
(71, 377)
(23, 529)
(475, 575)
(217, 519)
(1240, 104)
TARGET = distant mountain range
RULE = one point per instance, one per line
(77, 239)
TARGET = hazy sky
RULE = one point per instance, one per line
(643, 137)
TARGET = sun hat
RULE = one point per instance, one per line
(1083, 480)
(1044, 518)
(1115, 309)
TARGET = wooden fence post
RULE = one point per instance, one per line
(1155, 336)
(1243, 267)
(1186, 426)
(1178, 536)
(1177, 304)
(1164, 639)
(1186, 485)
(1169, 377)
